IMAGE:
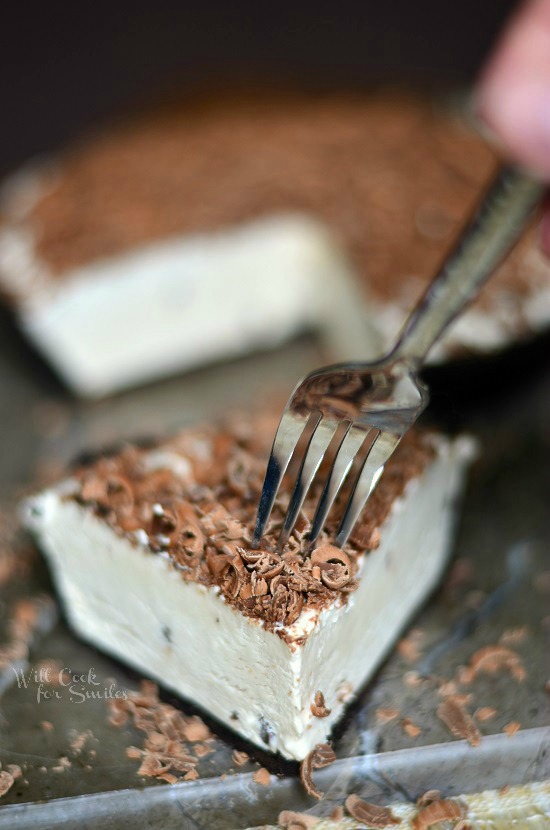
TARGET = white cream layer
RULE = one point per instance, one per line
(187, 301)
(176, 304)
(135, 605)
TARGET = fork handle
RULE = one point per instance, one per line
(486, 239)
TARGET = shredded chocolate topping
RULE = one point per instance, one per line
(392, 175)
(193, 500)
(370, 814)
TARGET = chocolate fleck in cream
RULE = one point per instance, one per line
(392, 175)
(194, 500)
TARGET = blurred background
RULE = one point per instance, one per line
(66, 65)
(66, 68)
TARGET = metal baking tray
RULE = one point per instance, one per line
(496, 584)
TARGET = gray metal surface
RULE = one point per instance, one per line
(502, 542)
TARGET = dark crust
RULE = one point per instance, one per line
(202, 520)
(392, 175)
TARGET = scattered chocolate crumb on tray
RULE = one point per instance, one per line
(459, 722)
(170, 736)
(437, 812)
(322, 756)
(369, 814)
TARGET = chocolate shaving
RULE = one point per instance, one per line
(240, 758)
(306, 768)
(196, 730)
(514, 636)
(149, 171)
(386, 714)
(410, 728)
(6, 782)
(428, 798)
(262, 777)
(166, 732)
(492, 659)
(438, 811)
(484, 713)
(409, 646)
(321, 756)
(289, 820)
(458, 721)
(370, 814)
(318, 708)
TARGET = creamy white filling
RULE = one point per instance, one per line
(177, 303)
(137, 606)
(190, 300)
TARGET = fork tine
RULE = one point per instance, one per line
(313, 456)
(287, 436)
(350, 445)
(371, 471)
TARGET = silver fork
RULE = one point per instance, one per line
(362, 410)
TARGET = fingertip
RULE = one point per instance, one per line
(513, 94)
(544, 234)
